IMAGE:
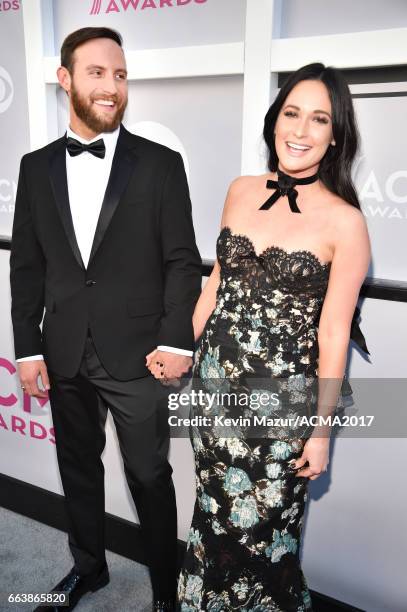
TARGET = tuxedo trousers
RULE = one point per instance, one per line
(139, 409)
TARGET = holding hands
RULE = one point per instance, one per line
(168, 367)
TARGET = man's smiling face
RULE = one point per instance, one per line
(97, 85)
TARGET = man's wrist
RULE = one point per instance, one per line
(177, 351)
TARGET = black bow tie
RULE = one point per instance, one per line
(74, 147)
(284, 186)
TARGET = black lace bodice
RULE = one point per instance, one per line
(300, 271)
(269, 303)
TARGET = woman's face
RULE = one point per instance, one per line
(303, 130)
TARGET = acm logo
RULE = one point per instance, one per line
(16, 414)
(6, 90)
(380, 196)
(7, 188)
(9, 5)
(116, 6)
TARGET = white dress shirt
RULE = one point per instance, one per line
(87, 177)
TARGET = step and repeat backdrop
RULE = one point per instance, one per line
(202, 118)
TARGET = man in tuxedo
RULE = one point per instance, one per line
(103, 238)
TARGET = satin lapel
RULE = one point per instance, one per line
(122, 167)
(60, 189)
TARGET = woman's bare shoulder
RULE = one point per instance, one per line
(350, 229)
(238, 192)
(344, 214)
(244, 183)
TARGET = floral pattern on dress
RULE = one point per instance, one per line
(243, 549)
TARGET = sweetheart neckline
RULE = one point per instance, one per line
(274, 247)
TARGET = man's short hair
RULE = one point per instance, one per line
(79, 37)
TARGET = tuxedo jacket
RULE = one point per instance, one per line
(143, 278)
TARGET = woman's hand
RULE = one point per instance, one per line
(316, 452)
(152, 365)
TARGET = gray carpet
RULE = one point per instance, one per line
(34, 557)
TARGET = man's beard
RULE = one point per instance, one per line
(86, 113)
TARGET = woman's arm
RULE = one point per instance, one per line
(206, 302)
(352, 254)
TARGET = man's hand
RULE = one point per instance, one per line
(168, 367)
(28, 372)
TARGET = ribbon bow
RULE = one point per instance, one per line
(284, 186)
(74, 147)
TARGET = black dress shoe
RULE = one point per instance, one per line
(75, 585)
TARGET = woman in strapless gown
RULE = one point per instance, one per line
(259, 318)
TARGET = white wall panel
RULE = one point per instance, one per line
(14, 128)
(317, 17)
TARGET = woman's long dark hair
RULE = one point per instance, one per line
(335, 167)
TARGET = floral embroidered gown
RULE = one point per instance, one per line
(244, 542)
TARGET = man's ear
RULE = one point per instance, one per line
(64, 78)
